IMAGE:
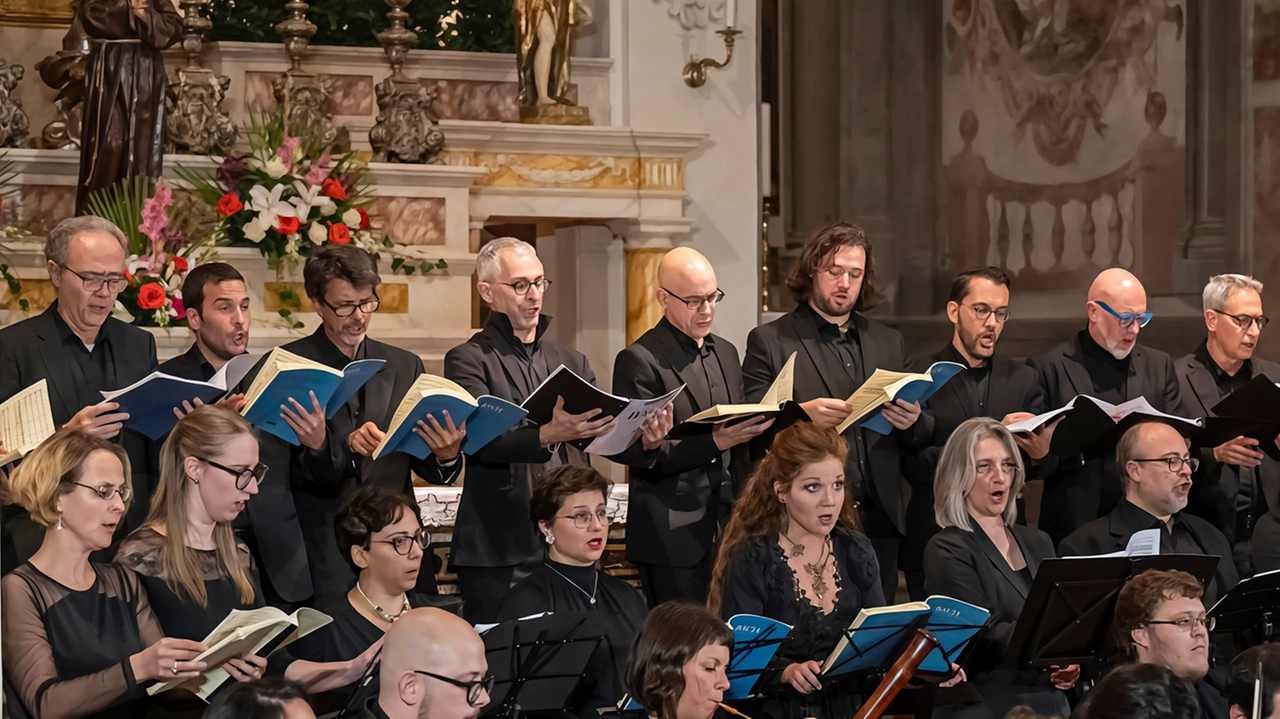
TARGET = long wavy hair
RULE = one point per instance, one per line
(202, 433)
(759, 513)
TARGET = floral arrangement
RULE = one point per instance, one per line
(287, 196)
(159, 253)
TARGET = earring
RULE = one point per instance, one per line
(59, 527)
(550, 538)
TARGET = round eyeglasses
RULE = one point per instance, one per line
(474, 688)
(403, 544)
(107, 492)
(243, 476)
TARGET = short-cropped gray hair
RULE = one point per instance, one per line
(487, 260)
(958, 471)
(58, 244)
(1221, 287)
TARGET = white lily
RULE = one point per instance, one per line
(327, 206)
(351, 218)
(317, 233)
(254, 231)
(269, 206)
(275, 168)
(308, 197)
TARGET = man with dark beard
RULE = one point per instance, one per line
(1104, 361)
(992, 386)
(837, 349)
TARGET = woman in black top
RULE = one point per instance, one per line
(678, 665)
(569, 506)
(983, 557)
(194, 568)
(792, 552)
(80, 638)
(380, 533)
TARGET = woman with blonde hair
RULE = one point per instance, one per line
(194, 568)
(793, 552)
(80, 638)
(984, 557)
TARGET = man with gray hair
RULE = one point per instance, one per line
(82, 350)
(1237, 483)
(494, 541)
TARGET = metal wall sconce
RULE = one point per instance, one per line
(695, 72)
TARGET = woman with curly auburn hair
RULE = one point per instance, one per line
(793, 552)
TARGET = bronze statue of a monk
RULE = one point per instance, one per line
(123, 130)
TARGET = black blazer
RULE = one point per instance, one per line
(32, 350)
(494, 528)
(1012, 388)
(769, 346)
(323, 479)
(1111, 534)
(1266, 542)
(1082, 488)
(675, 489)
(1216, 485)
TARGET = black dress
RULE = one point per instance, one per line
(759, 581)
(68, 651)
(619, 608)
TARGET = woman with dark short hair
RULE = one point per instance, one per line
(569, 507)
(679, 661)
(267, 699)
(380, 534)
(1139, 691)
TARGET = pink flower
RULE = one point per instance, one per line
(288, 148)
(154, 217)
(316, 175)
(179, 307)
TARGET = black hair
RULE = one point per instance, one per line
(338, 262)
(200, 276)
(1243, 672)
(369, 510)
(263, 699)
(960, 285)
(1140, 691)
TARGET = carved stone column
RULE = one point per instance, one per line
(194, 120)
(407, 129)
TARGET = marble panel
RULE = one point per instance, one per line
(39, 294)
(394, 296)
(573, 171)
(39, 207)
(412, 220)
(479, 100)
(349, 95)
(1266, 42)
(643, 311)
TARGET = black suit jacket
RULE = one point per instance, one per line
(270, 517)
(1216, 485)
(1111, 534)
(32, 350)
(1012, 388)
(323, 479)
(676, 489)
(1081, 488)
(769, 346)
(1266, 542)
(967, 566)
(494, 528)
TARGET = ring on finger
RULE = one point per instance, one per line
(175, 667)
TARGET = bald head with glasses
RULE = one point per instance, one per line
(1117, 310)
(688, 292)
(433, 667)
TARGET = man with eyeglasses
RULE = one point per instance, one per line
(333, 459)
(433, 666)
(1160, 619)
(837, 348)
(1237, 483)
(682, 491)
(1156, 468)
(495, 544)
(81, 350)
(1105, 361)
(992, 386)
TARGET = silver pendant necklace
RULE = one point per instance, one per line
(596, 586)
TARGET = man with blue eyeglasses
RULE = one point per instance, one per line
(1105, 361)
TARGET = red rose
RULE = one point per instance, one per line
(364, 218)
(151, 296)
(229, 205)
(180, 264)
(333, 190)
(339, 234)
(288, 225)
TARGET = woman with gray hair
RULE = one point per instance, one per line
(984, 557)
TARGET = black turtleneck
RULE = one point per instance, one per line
(1108, 374)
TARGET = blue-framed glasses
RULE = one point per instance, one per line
(1127, 319)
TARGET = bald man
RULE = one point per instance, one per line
(433, 667)
(682, 491)
(1105, 361)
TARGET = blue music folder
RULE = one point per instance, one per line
(914, 391)
(332, 388)
(486, 418)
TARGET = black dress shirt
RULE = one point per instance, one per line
(191, 364)
(846, 347)
(973, 382)
(1109, 375)
(91, 368)
(704, 358)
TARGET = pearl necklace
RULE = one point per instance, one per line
(596, 586)
(378, 610)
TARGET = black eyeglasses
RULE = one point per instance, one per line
(366, 306)
(582, 520)
(107, 492)
(1175, 463)
(695, 303)
(1188, 624)
(522, 287)
(93, 284)
(1245, 321)
(474, 689)
(258, 472)
(982, 312)
(403, 544)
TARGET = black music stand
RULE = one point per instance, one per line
(1253, 605)
(1067, 616)
(539, 664)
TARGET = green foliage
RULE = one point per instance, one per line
(121, 204)
(468, 25)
